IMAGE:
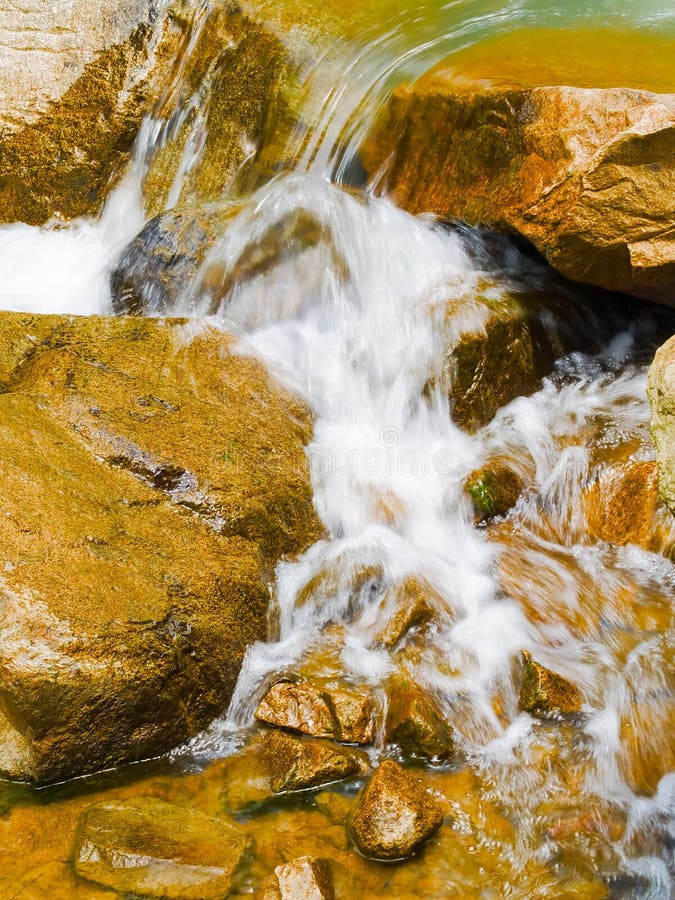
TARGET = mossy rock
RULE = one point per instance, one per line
(151, 480)
(494, 490)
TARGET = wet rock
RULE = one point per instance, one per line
(505, 357)
(415, 723)
(305, 878)
(275, 762)
(335, 807)
(393, 815)
(494, 490)
(299, 763)
(317, 711)
(150, 848)
(75, 80)
(246, 72)
(246, 780)
(572, 169)
(622, 501)
(163, 259)
(135, 559)
(411, 610)
(661, 391)
(544, 693)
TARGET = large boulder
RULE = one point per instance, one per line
(661, 390)
(75, 80)
(586, 173)
(150, 480)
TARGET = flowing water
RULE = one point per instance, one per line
(360, 321)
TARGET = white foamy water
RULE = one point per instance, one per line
(358, 323)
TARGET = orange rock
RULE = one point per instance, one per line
(321, 712)
(621, 503)
(571, 169)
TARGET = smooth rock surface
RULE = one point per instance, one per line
(150, 848)
(150, 480)
(393, 815)
(661, 391)
(300, 763)
(585, 173)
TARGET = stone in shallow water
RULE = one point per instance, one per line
(305, 878)
(544, 692)
(394, 814)
(297, 763)
(415, 723)
(150, 848)
(621, 503)
(317, 711)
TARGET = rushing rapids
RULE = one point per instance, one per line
(357, 306)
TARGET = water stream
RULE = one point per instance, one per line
(360, 321)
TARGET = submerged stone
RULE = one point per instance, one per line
(571, 169)
(298, 763)
(544, 693)
(621, 503)
(150, 848)
(136, 557)
(318, 711)
(661, 391)
(305, 878)
(415, 723)
(393, 815)
(494, 490)
(412, 610)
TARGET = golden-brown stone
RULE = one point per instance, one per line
(135, 556)
(393, 815)
(661, 390)
(412, 609)
(494, 490)
(150, 848)
(318, 711)
(544, 692)
(571, 169)
(305, 878)
(415, 723)
(622, 501)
